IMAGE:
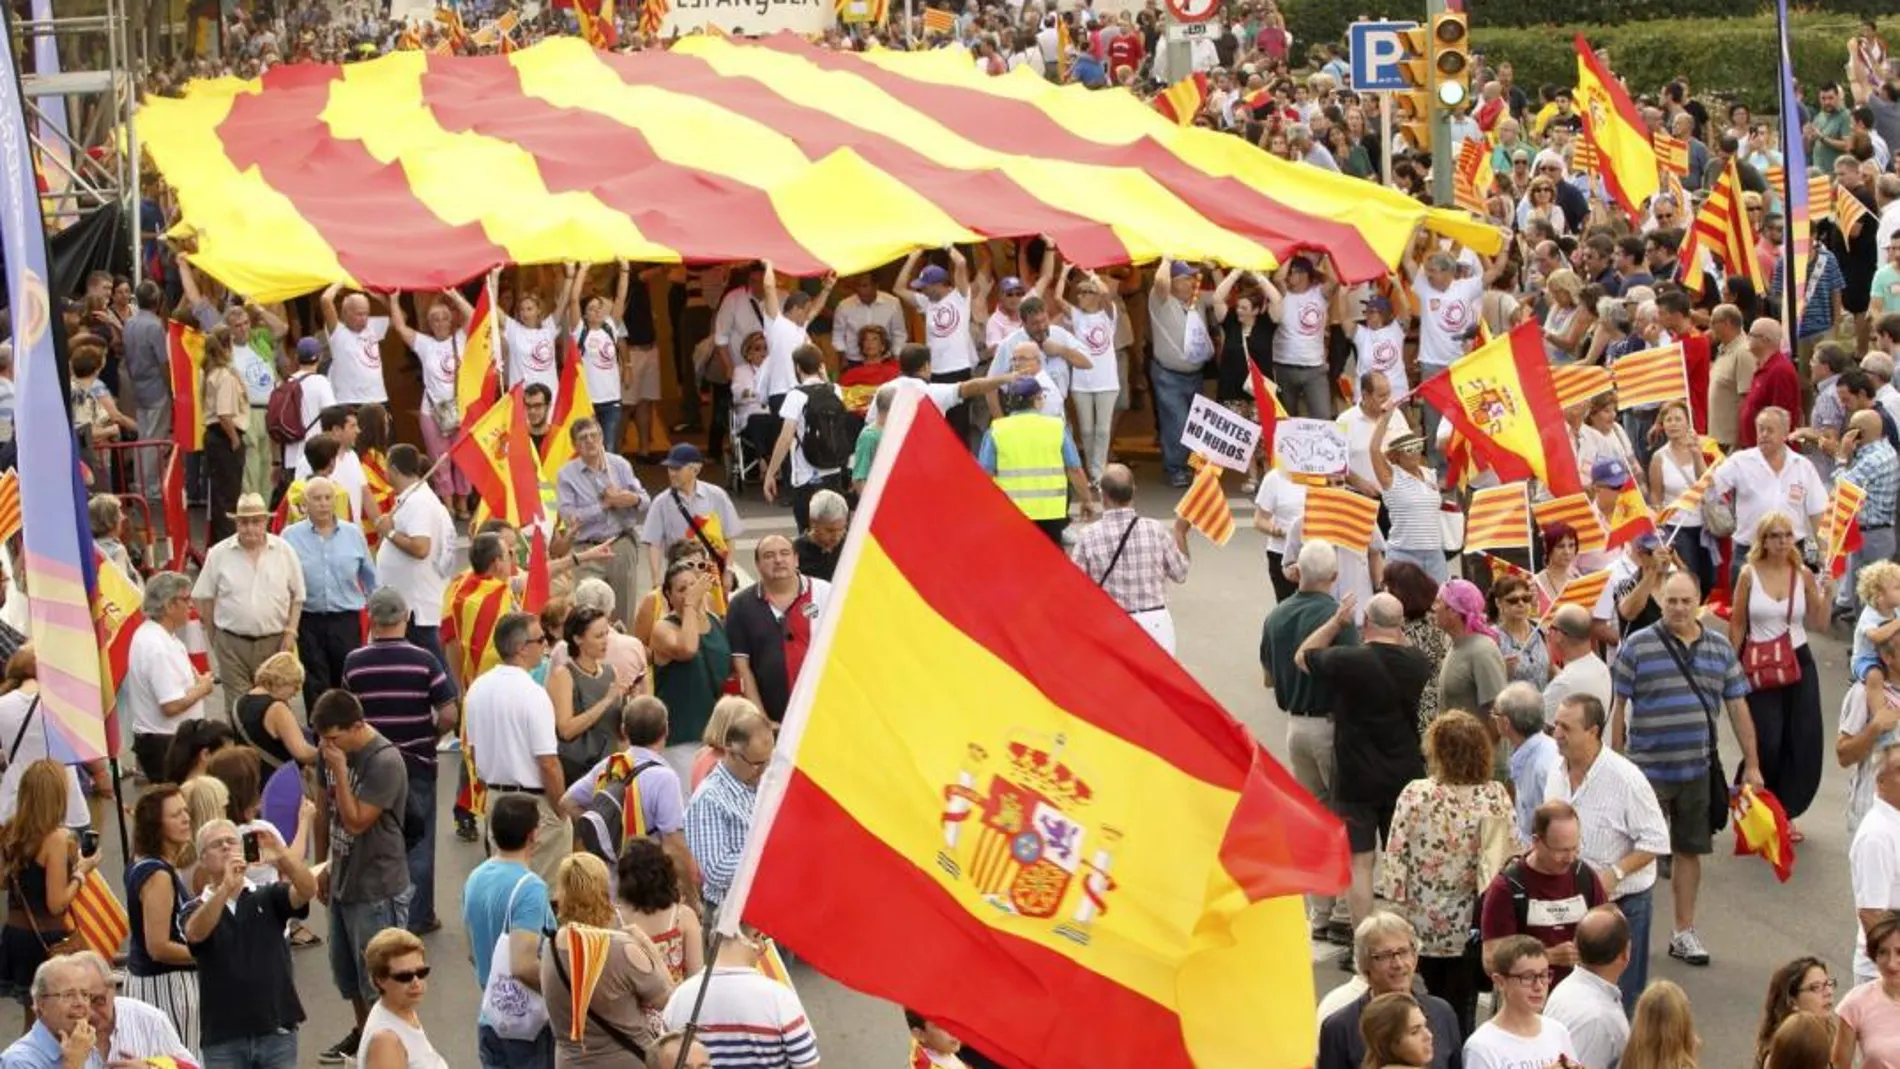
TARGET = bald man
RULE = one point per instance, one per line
(1587, 1002)
(1133, 558)
(1776, 383)
(1375, 735)
(356, 341)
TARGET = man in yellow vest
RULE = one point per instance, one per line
(1030, 454)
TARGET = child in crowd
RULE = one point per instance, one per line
(1878, 585)
(930, 1045)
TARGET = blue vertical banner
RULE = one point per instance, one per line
(56, 567)
(1797, 246)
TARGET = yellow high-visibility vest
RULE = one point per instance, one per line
(1029, 464)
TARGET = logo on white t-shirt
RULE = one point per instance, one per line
(541, 355)
(1385, 355)
(372, 351)
(1095, 337)
(600, 350)
(1452, 316)
(1312, 317)
(944, 319)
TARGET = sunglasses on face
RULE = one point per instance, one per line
(410, 976)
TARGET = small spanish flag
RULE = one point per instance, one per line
(1204, 506)
(1762, 829)
(1612, 123)
(1629, 518)
(187, 352)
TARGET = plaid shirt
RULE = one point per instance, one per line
(1149, 563)
(1873, 470)
(718, 819)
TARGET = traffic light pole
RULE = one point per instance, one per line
(1444, 156)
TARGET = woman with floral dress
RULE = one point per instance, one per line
(1451, 832)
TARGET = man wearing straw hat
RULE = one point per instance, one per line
(250, 593)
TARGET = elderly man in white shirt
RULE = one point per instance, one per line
(511, 735)
(1767, 478)
(1587, 1002)
(866, 306)
(250, 594)
(1623, 827)
(161, 687)
(1873, 857)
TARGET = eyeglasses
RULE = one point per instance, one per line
(73, 996)
(1393, 957)
(410, 976)
(1517, 599)
(1530, 979)
(1827, 986)
(536, 640)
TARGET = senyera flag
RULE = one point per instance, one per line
(1099, 865)
(1501, 397)
(1627, 160)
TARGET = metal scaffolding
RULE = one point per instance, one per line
(94, 161)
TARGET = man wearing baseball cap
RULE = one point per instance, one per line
(1025, 450)
(315, 393)
(1007, 319)
(1177, 323)
(943, 299)
(688, 508)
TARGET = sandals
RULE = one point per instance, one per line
(301, 936)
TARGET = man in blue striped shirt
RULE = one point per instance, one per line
(1670, 679)
(409, 699)
(719, 817)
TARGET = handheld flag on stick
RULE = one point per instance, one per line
(477, 382)
(1577, 383)
(1650, 377)
(1583, 590)
(993, 824)
(1841, 528)
(1502, 398)
(1499, 518)
(1849, 212)
(1691, 500)
(9, 505)
(1722, 228)
(1762, 829)
(1577, 511)
(1672, 154)
(1204, 506)
(1612, 124)
(1339, 516)
(937, 20)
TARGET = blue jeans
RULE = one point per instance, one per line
(498, 1053)
(419, 812)
(278, 1050)
(1174, 396)
(1431, 562)
(608, 416)
(352, 926)
(1636, 909)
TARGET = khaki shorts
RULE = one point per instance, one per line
(1686, 807)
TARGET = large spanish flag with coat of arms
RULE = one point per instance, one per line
(1615, 128)
(1502, 398)
(1098, 865)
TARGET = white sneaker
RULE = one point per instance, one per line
(1686, 946)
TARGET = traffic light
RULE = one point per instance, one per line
(1413, 106)
(1451, 61)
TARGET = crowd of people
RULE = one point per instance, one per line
(1520, 772)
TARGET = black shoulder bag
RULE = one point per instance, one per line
(1718, 780)
(1119, 547)
(717, 557)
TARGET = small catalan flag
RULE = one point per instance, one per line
(1499, 518)
(937, 20)
(1339, 516)
(1204, 506)
(1576, 511)
(1183, 100)
(1672, 153)
(1583, 590)
(1577, 383)
(1650, 376)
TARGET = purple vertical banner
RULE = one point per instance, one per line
(1799, 243)
(57, 563)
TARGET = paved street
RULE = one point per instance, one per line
(1751, 924)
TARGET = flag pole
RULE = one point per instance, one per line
(1790, 129)
(699, 999)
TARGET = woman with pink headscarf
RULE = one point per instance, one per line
(1473, 672)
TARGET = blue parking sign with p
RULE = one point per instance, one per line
(1377, 50)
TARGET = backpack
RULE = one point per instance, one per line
(614, 813)
(829, 435)
(283, 413)
(1513, 876)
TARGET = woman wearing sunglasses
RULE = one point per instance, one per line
(1526, 656)
(393, 1036)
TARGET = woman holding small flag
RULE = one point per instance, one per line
(1409, 490)
(1674, 470)
(1776, 600)
(1560, 559)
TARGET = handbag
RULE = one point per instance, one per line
(1773, 664)
(513, 1009)
(1718, 780)
(1718, 516)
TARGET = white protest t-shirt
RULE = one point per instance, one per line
(1491, 1047)
(531, 355)
(1445, 317)
(255, 371)
(1301, 339)
(947, 332)
(356, 363)
(1381, 350)
(600, 361)
(441, 361)
(778, 373)
(1096, 333)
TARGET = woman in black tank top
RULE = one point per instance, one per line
(264, 717)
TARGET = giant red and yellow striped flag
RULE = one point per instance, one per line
(1502, 398)
(1583, 590)
(482, 170)
(1849, 212)
(187, 365)
(1183, 100)
(1722, 229)
(9, 505)
(1651, 376)
(1577, 383)
(1672, 154)
(1340, 516)
(477, 382)
(1499, 518)
(1612, 123)
(1205, 508)
(1577, 511)
(1078, 817)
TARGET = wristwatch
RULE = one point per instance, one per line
(1617, 872)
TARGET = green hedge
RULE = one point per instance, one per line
(1326, 20)
(1722, 58)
